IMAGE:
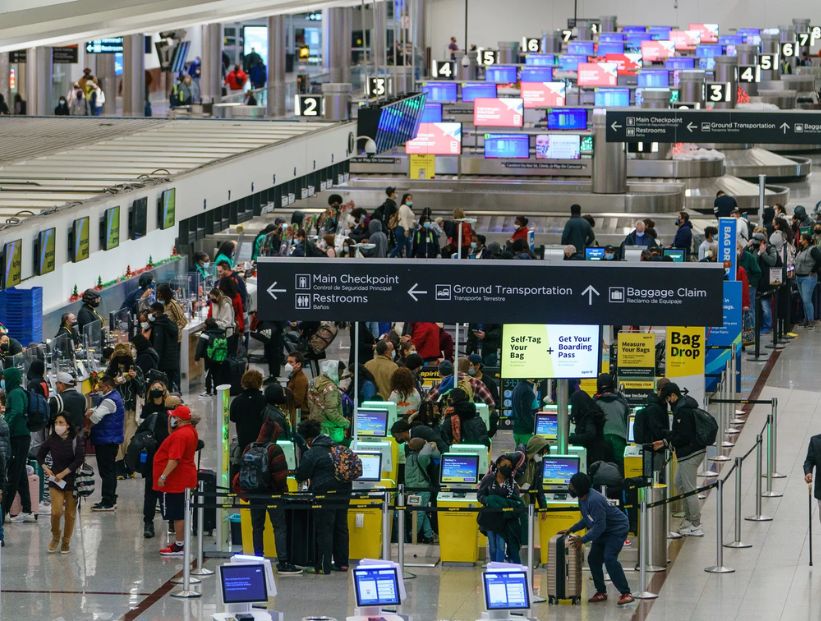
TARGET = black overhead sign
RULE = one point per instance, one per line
(720, 126)
(490, 291)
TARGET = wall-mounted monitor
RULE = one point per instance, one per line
(678, 63)
(634, 29)
(476, 90)
(685, 40)
(542, 94)
(567, 118)
(598, 74)
(610, 47)
(167, 209)
(660, 33)
(507, 146)
(45, 251)
(536, 74)
(581, 48)
(558, 147)
(634, 40)
(501, 74)
(710, 50)
(110, 229)
(79, 248)
(654, 78)
(708, 32)
(656, 51)
(731, 39)
(751, 36)
(440, 92)
(570, 62)
(540, 60)
(611, 37)
(436, 139)
(138, 219)
(612, 97)
(499, 112)
(12, 263)
(432, 113)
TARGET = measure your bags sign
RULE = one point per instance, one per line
(542, 351)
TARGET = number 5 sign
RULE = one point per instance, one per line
(487, 57)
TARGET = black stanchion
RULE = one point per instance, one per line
(775, 326)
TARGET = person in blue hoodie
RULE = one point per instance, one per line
(607, 528)
(684, 233)
(107, 420)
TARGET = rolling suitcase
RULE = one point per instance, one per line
(301, 537)
(564, 571)
(210, 513)
(34, 492)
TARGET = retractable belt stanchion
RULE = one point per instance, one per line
(719, 567)
(201, 570)
(187, 592)
(758, 301)
(738, 414)
(776, 474)
(722, 423)
(386, 528)
(737, 542)
(668, 478)
(400, 526)
(643, 593)
(188, 542)
(769, 492)
(657, 528)
(773, 301)
(531, 549)
(729, 378)
(758, 517)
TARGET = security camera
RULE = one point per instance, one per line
(370, 147)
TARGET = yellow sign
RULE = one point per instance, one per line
(684, 352)
(550, 351)
(422, 166)
(637, 350)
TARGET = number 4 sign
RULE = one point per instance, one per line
(443, 69)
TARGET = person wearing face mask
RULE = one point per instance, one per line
(684, 232)
(424, 243)
(130, 384)
(107, 420)
(324, 401)
(708, 249)
(403, 392)
(477, 247)
(164, 339)
(297, 385)
(639, 237)
(404, 228)
(175, 471)
(62, 108)
(67, 338)
(807, 266)
(498, 490)
(89, 312)
(67, 454)
(9, 347)
(202, 263)
(69, 401)
(15, 414)
(154, 418)
(142, 296)
(147, 357)
(521, 230)
(529, 477)
(607, 528)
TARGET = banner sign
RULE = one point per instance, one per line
(637, 365)
(684, 359)
(541, 351)
(728, 245)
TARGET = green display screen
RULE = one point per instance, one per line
(80, 248)
(12, 263)
(111, 222)
(46, 251)
(168, 215)
(586, 145)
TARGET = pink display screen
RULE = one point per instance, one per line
(598, 74)
(709, 32)
(656, 51)
(500, 112)
(684, 40)
(543, 94)
(436, 139)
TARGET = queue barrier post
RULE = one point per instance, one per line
(776, 474)
(737, 542)
(722, 423)
(656, 526)
(729, 378)
(531, 550)
(759, 516)
(401, 503)
(719, 567)
(739, 415)
(644, 543)
(386, 528)
(201, 570)
(668, 479)
(187, 592)
(769, 492)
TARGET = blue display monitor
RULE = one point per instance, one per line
(679, 255)
(440, 92)
(243, 583)
(707, 63)
(594, 253)
(731, 39)
(536, 74)
(477, 90)
(708, 50)
(459, 469)
(371, 423)
(610, 47)
(633, 29)
(660, 33)
(607, 37)
(376, 586)
(654, 78)
(570, 62)
(507, 146)
(633, 40)
(371, 466)
(612, 97)
(677, 63)
(501, 74)
(506, 590)
(540, 60)
(547, 425)
(432, 113)
(557, 470)
(567, 118)
(631, 427)
(581, 48)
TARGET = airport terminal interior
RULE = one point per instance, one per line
(264, 356)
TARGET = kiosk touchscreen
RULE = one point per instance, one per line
(594, 253)
(371, 469)
(633, 253)
(382, 448)
(375, 587)
(371, 423)
(243, 584)
(678, 255)
(631, 421)
(288, 448)
(557, 471)
(459, 471)
(474, 449)
(547, 425)
(505, 591)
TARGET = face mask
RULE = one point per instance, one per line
(472, 371)
(427, 225)
(152, 317)
(639, 234)
(2, 384)
(145, 325)
(609, 256)
(571, 492)
(678, 222)
(473, 245)
(409, 203)
(60, 430)
(4, 347)
(506, 470)
(95, 303)
(289, 369)
(155, 394)
(173, 422)
(537, 458)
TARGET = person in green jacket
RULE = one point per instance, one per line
(325, 404)
(418, 456)
(16, 407)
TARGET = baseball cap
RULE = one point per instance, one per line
(65, 378)
(445, 368)
(182, 412)
(475, 359)
(759, 237)
(735, 210)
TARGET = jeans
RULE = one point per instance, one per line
(331, 536)
(500, 551)
(63, 503)
(277, 517)
(686, 481)
(425, 526)
(400, 242)
(806, 288)
(605, 551)
(767, 313)
(106, 459)
(17, 478)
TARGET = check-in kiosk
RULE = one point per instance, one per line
(632, 452)
(458, 531)
(377, 586)
(475, 449)
(364, 519)
(246, 581)
(556, 473)
(546, 425)
(483, 411)
(372, 422)
(507, 593)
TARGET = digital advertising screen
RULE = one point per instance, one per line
(12, 263)
(547, 424)
(542, 94)
(660, 33)
(499, 112)
(371, 423)
(567, 118)
(685, 40)
(558, 147)
(610, 47)
(501, 74)
(376, 586)
(80, 249)
(436, 139)
(459, 468)
(432, 113)
(597, 74)
(371, 466)
(548, 351)
(707, 32)
(46, 251)
(255, 38)
(653, 78)
(138, 219)
(678, 63)
(570, 62)
(540, 60)
(476, 90)
(627, 64)
(507, 146)
(580, 48)
(557, 471)
(656, 51)
(536, 74)
(168, 209)
(612, 97)
(440, 92)
(506, 590)
(111, 228)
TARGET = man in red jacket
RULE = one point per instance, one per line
(175, 471)
(425, 337)
(236, 78)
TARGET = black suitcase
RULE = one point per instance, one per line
(301, 538)
(210, 513)
(236, 369)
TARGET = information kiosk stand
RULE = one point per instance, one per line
(364, 521)
(459, 531)
(377, 585)
(243, 582)
(372, 423)
(507, 593)
(556, 473)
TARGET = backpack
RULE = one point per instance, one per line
(347, 465)
(322, 338)
(254, 471)
(37, 411)
(706, 427)
(217, 350)
(143, 444)
(83, 480)
(393, 220)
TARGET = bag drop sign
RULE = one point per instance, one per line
(550, 351)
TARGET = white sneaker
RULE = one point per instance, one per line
(44, 510)
(23, 518)
(692, 531)
(685, 525)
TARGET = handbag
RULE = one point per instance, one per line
(84, 481)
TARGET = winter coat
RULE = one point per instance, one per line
(683, 435)
(589, 433)
(325, 406)
(378, 238)
(16, 403)
(684, 236)
(111, 428)
(652, 422)
(472, 427)
(578, 232)
(316, 466)
(616, 411)
(247, 414)
(523, 408)
(164, 340)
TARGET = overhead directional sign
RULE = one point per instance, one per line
(490, 291)
(111, 45)
(721, 126)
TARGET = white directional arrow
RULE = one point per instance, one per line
(271, 291)
(413, 291)
(590, 292)
(690, 127)
(784, 127)
(615, 126)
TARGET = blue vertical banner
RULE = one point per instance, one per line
(727, 245)
(722, 340)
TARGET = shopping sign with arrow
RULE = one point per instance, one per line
(569, 292)
(714, 126)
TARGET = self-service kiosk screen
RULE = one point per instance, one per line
(547, 424)
(594, 253)
(371, 423)
(557, 471)
(371, 466)
(459, 469)
(678, 255)
(376, 586)
(506, 590)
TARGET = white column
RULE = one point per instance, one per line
(211, 76)
(38, 82)
(134, 75)
(275, 102)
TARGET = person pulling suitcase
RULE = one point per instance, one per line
(607, 528)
